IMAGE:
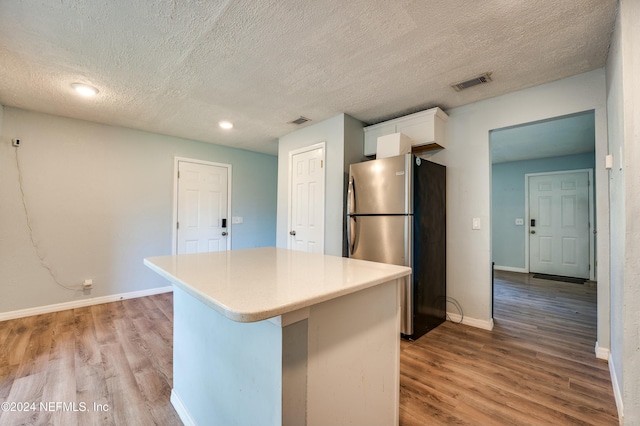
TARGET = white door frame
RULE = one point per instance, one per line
(174, 232)
(319, 145)
(592, 269)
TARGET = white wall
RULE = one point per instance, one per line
(615, 109)
(467, 158)
(623, 95)
(100, 200)
(338, 133)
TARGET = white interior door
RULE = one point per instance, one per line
(559, 224)
(306, 220)
(202, 208)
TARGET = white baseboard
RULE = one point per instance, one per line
(602, 353)
(81, 303)
(510, 269)
(182, 411)
(617, 392)
(473, 322)
(605, 354)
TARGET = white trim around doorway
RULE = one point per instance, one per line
(592, 269)
(320, 145)
(174, 233)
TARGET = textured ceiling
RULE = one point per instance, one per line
(178, 67)
(571, 134)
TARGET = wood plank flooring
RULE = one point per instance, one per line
(110, 364)
(536, 368)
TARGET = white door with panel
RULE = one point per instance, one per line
(203, 208)
(306, 223)
(559, 224)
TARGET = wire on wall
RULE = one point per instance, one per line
(33, 242)
(455, 303)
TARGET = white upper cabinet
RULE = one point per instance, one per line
(427, 129)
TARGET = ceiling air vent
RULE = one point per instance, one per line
(481, 79)
(300, 120)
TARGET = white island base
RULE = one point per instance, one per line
(331, 362)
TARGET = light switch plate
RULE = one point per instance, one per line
(237, 219)
(475, 224)
(519, 221)
(608, 162)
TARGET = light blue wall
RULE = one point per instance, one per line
(254, 194)
(100, 199)
(508, 202)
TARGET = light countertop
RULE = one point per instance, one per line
(257, 284)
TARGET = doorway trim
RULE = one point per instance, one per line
(319, 145)
(592, 269)
(174, 221)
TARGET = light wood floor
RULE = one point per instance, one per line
(118, 355)
(536, 367)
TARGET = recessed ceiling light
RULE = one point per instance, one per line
(226, 125)
(84, 89)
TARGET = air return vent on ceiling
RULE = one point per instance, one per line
(300, 120)
(481, 79)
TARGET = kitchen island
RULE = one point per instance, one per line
(278, 337)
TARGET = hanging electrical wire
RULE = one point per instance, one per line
(30, 228)
(455, 303)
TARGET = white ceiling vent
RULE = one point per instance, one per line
(300, 120)
(481, 79)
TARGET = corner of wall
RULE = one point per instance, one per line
(456, 318)
(601, 352)
(332, 132)
(617, 391)
(353, 141)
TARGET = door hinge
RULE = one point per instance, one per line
(177, 225)
(178, 174)
(321, 163)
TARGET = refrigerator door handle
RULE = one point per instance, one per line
(351, 234)
(406, 303)
(352, 196)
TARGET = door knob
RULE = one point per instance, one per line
(224, 233)
(292, 233)
(533, 232)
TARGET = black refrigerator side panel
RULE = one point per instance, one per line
(429, 267)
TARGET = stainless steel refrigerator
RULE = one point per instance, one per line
(396, 214)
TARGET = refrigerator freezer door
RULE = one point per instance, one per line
(385, 239)
(381, 186)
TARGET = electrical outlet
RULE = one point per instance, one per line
(88, 283)
(16, 142)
